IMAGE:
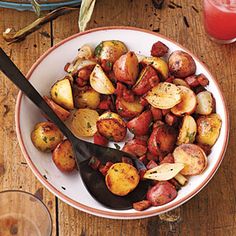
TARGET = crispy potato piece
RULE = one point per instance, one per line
(208, 128)
(122, 178)
(188, 102)
(192, 156)
(180, 82)
(205, 103)
(100, 82)
(187, 131)
(83, 122)
(164, 96)
(126, 68)
(86, 97)
(62, 113)
(111, 126)
(85, 52)
(110, 50)
(165, 171)
(61, 93)
(181, 64)
(128, 109)
(63, 156)
(158, 64)
(46, 136)
(79, 64)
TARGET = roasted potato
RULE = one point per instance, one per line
(126, 68)
(46, 136)
(135, 147)
(140, 124)
(62, 113)
(100, 82)
(85, 52)
(110, 50)
(122, 178)
(148, 78)
(158, 64)
(208, 129)
(164, 96)
(180, 82)
(205, 103)
(86, 97)
(61, 93)
(162, 140)
(128, 109)
(188, 102)
(63, 156)
(181, 64)
(83, 122)
(100, 140)
(187, 131)
(192, 156)
(79, 64)
(111, 126)
(161, 193)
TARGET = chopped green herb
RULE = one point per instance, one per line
(56, 94)
(117, 146)
(45, 139)
(98, 49)
(89, 125)
(109, 64)
(52, 139)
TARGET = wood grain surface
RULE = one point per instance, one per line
(213, 210)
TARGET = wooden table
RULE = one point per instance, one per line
(213, 210)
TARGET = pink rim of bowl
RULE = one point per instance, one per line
(94, 211)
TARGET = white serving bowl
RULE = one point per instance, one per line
(69, 187)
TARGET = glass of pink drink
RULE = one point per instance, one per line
(220, 20)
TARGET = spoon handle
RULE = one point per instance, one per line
(15, 75)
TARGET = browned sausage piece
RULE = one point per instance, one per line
(159, 49)
(142, 205)
(136, 147)
(161, 193)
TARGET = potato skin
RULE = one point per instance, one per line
(205, 103)
(126, 68)
(122, 178)
(128, 109)
(161, 193)
(181, 64)
(140, 124)
(63, 156)
(208, 129)
(86, 97)
(46, 136)
(110, 50)
(111, 126)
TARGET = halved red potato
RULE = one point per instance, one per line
(61, 93)
(83, 122)
(156, 113)
(135, 147)
(86, 97)
(180, 82)
(122, 178)
(111, 126)
(63, 156)
(140, 124)
(126, 68)
(192, 156)
(158, 64)
(128, 109)
(110, 50)
(188, 102)
(100, 82)
(208, 129)
(165, 171)
(62, 113)
(100, 140)
(181, 64)
(161, 193)
(187, 131)
(164, 96)
(205, 103)
(148, 78)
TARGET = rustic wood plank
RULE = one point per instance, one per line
(212, 211)
(14, 172)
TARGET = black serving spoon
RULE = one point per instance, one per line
(93, 179)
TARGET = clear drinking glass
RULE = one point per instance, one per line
(220, 20)
(22, 214)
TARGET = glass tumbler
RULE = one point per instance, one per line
(22, 214)
(220, 20)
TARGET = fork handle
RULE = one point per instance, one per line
(15, 75)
